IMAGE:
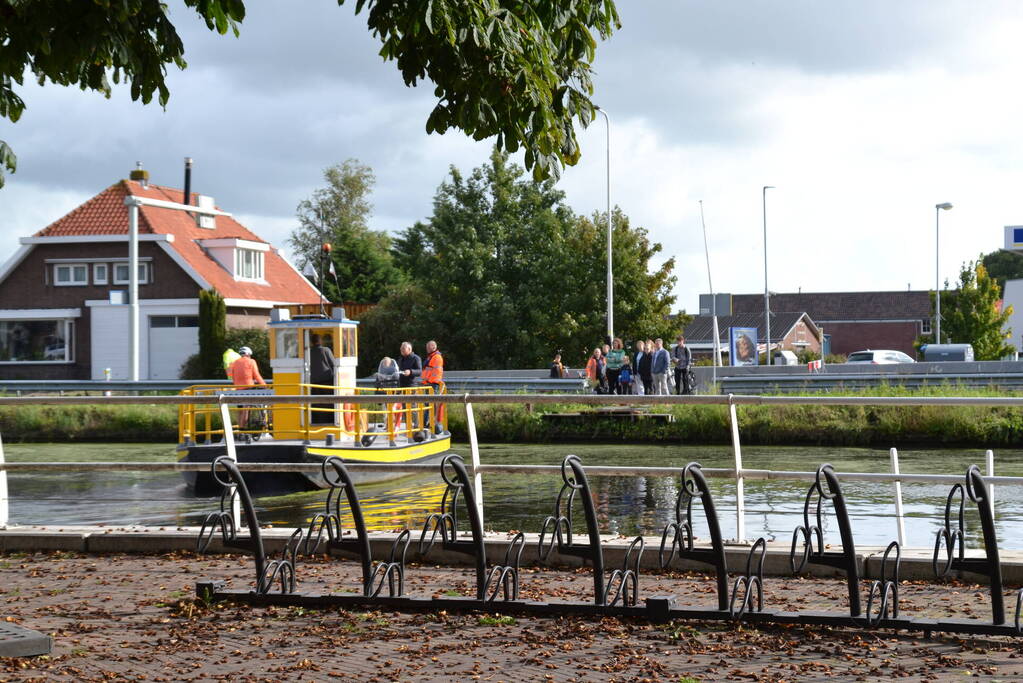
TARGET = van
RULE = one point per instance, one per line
(785, 357)
(936, 353)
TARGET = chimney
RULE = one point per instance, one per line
(140, 174)
(188, 181)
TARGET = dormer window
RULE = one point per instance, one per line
(248, 264)
(244, 259)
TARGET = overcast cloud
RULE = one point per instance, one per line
(863, 114)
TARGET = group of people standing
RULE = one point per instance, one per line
(649, 370)
(410, 370)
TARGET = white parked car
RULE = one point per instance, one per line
(879, 357)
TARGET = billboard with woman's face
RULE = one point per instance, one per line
(742, 349)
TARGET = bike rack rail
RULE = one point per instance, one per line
(619, 594)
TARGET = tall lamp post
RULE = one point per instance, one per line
(767, 294)
(610, 285)
(938, 208)
(713, 301)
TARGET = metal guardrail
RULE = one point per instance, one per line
(471, 385)
(831, 381)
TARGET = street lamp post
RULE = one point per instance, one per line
(610, 284)
(767, 294)
(938, 208)
(713, 301)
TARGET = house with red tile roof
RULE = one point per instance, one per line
(63, 293)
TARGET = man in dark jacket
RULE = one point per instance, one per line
(322, 372)
(646, 373)
(410, 366)
(682, 357)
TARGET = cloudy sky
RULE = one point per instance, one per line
(863, 114)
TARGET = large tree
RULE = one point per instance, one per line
(1003, 265)
(517, 70)
(506, 274)
(970, 314)
(338, 213)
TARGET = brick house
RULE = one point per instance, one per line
(62, 294)
(854, 321)
(795, 332)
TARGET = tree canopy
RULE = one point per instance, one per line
(518, 71)
(504, 274)
(970, 314)
(338, 213)
(1003, 265)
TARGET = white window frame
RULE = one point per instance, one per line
(71, 281)
(98, 279)
(925, 327)
(143, 273)
(257, 264)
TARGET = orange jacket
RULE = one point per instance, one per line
(245, 372)
(433, 368)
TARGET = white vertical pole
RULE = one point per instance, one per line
(474, 448)
(900, 521)
(990, 457)
(232, 452)
(133, 290)
(610, 279)
(740, 502)
(4, 511)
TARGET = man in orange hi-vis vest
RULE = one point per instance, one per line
(433, 376)
(245, 375)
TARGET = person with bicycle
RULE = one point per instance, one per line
(245, 375)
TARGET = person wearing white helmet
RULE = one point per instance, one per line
(245, 374)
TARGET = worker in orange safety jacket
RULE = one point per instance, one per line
(433, 376)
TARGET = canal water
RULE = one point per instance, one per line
(625, 505)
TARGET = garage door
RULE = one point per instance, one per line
(172, 339)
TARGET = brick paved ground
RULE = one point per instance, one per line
(124, 617)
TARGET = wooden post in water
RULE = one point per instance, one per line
(232, 452)
(474, 448)
(899, 520)
(740, 502)
(3, 489)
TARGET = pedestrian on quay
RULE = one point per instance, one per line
(615, 360)
(596, 371)
(558, 370)
(625, 377)
(683, 358)
(659, 366)
(644, 366)
(322, 375)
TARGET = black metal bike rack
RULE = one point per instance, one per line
(268, 570)
(488, 582)
(330, 521)
(623, 584)
(618, 595)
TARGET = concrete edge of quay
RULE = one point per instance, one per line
(916, 563)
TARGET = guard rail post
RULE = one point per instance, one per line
(740, 502)
(474, 448)
(899, 520)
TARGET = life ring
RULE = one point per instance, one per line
(349, 416)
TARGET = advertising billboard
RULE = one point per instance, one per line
(742, 346)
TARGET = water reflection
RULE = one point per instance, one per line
(625, 505)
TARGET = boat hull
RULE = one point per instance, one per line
(202, 483)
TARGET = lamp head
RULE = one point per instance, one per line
(944, 207)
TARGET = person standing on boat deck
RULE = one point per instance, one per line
(615, 360)
(433, 377)
(682, 356)
(322, 371)
(659, 366)
(245, 373)
(410, 366)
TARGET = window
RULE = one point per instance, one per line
(925, 326)
(121, 273)
(71, 275)
(287, 343)
(39, 341)
(100, 274)
(248, 264)
(173, 321)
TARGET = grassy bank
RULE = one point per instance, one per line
(976, 427)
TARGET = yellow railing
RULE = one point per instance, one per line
(400, 412)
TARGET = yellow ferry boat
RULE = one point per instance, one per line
(402, 428)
